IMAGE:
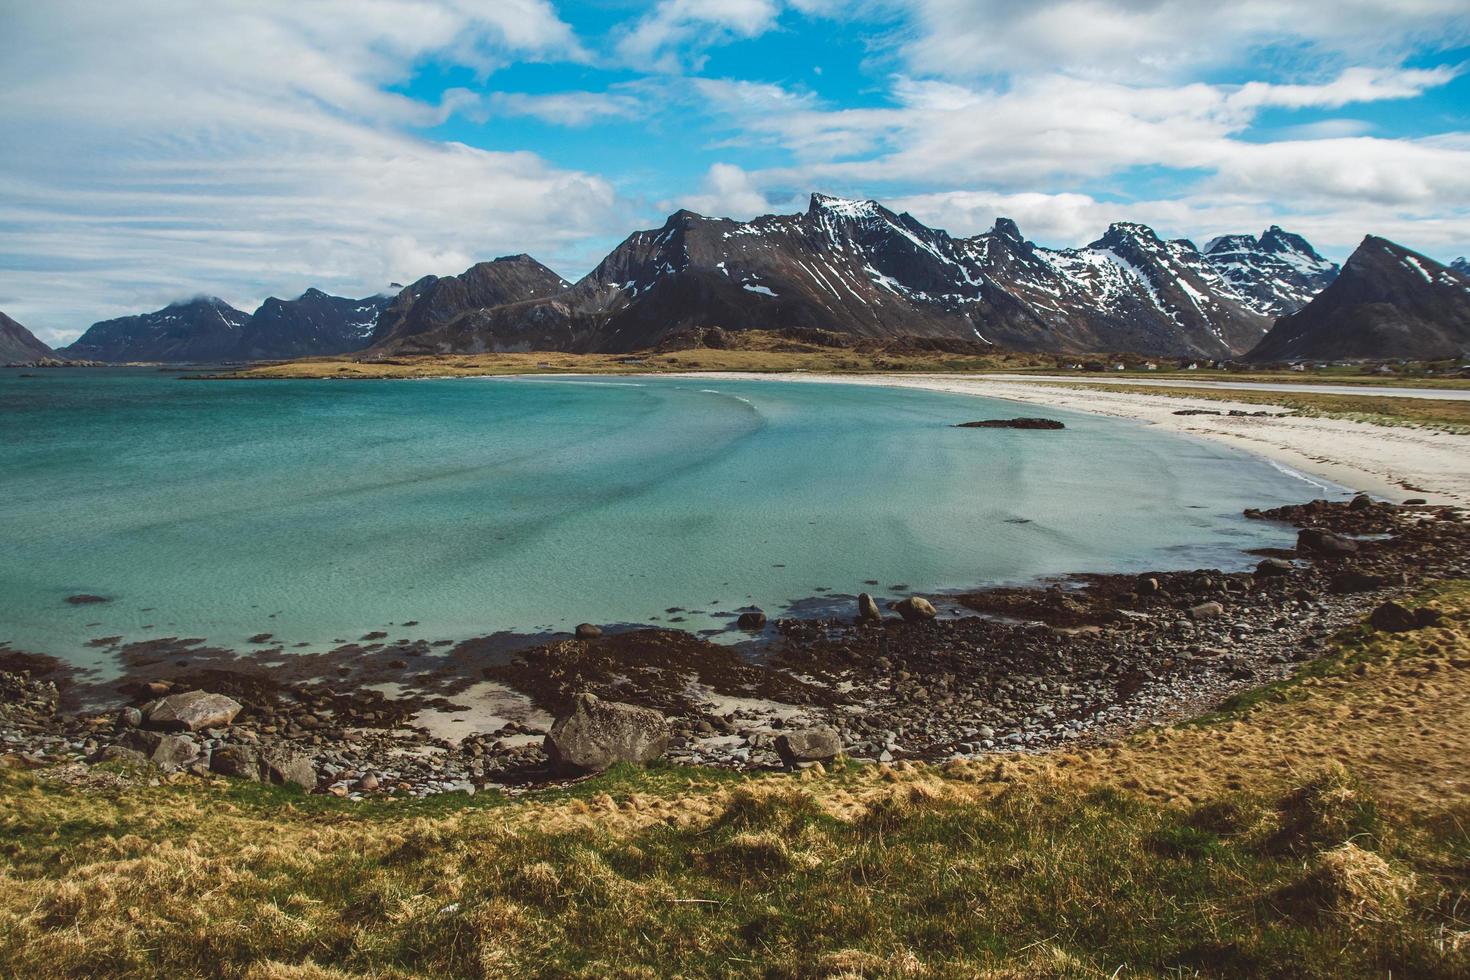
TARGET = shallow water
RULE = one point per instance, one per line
(318, 510)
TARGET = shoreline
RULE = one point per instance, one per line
(1394, 463)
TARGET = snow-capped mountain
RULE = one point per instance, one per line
(202, 329)
(857, 267)
(315, 323)
(1275, 274)
(17, 344)
(1387, 302)
(1461, 265)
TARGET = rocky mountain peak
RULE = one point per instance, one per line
(1007, 228)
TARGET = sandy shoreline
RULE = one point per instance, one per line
(1394, 463)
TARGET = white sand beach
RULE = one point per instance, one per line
(1392, 462)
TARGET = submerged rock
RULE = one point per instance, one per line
(599, 733)
(753, 620)
(192, 711)
(1017, 423)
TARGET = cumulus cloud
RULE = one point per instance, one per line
(152, 153)
(727, 192)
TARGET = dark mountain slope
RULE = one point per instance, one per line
(200, 330)
(17, 344)
(433, 302)
(315, 323)
(1388, 302)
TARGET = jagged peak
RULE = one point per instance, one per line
(1007, 228)
(1231, 243)
(1278, 239)
(843, 207)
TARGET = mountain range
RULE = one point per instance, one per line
(856, 267)
(207, 329)
(18, 345)
(1386, 299)
(852, 267)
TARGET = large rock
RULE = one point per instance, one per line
(167, 752)
(808, 745)
(1319, 541)
(191, 712)
(752, 620)
(282, 765)
(587, 631)
(868, 611)
(1394, 618)
(916, 609)
(1274, 568)
(239, 761)
(599, 733)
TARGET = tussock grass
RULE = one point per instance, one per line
(1304, 853)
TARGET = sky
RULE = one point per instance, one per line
(160, 149)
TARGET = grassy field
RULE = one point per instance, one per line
(1444, 414)
(1316, 828)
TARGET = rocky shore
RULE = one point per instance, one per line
(1019, 669)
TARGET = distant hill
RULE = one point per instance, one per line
(201, 329)
(856, 267)
(315, 323)
(208, 329)
(1387, 302)
(17, 344)
(1461, 265)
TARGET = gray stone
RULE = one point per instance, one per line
(597, 734)
(752, 620)
(916, 609)
(1207, 610)
(239, 761)
(167, 752)
(1274, 568)
(119, 753)
(282, 765)
(192, 711)
(129, 718)
(1319, 541)
(820, 744)
(868, 611)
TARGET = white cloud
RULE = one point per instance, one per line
(1154, 39)
(568, 108)
(677, 28)
(152, 153)
(727, 192)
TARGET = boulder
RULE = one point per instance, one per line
(129, 718)
(587, 631)
(1207, 610)
(1347, 583)
(282, 765)
(915, 609)
(120, 753)
(239, 761)
(167, 752)
(1394, 618)
(752, 620)
(1361, 502)
(808, 745)
(597, 734)
(192, 711)
(1319, 541)
(1147, 585)
(1274, 568)
(868, 611)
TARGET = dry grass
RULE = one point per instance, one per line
(1314, 828)
(1436, 413)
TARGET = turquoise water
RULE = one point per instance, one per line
(319, 510)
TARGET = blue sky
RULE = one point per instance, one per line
(157, 150)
